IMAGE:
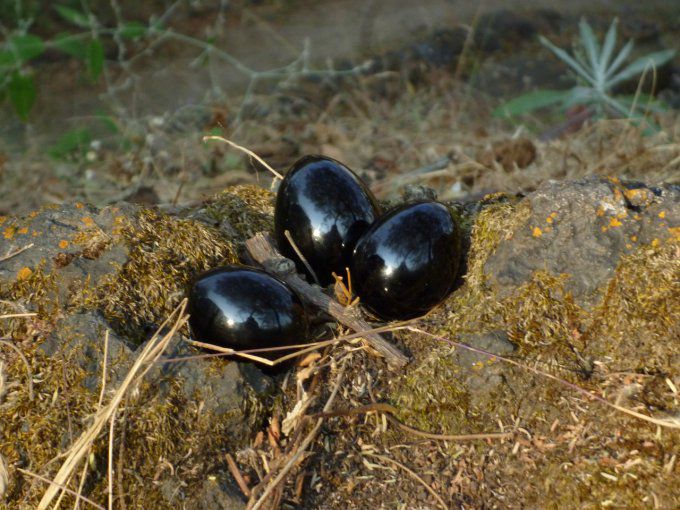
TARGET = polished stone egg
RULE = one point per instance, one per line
(326, 208)
(245, 308)
(407, 262)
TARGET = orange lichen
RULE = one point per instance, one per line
(88, 221)
(662, 214)
(537, 232)
(63, 244)
(9, 232)
(614, 222)
(24, 273)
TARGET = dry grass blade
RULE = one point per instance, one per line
(18, 315)
(29, 380)
(672, 423)
(4, 476)
(17, 252)
(303, 348)
(109, 489)
(297, 251)
(247, 151)
(60, 486)
(414, 475)
(153, 349)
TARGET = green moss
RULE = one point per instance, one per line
(431, 397)
(247, 209)
(632, 331)
(164, 254)
(159, 431)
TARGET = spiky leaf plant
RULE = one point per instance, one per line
(597, 70)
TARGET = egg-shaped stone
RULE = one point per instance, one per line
(245, 308)
(326, 208)
(407, 262)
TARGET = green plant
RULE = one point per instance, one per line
(597, 73)
(21, 47)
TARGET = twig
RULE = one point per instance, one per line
(15, 253)
(62, 487)
(247, 151)
(262, 250)
(413, 474)
(236, 473)
(449, 437)
(303, 446)
(391, 410)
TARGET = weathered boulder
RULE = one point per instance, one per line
(103, 280)
(583, 229)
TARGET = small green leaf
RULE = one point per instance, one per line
(22, 94)
(73, 16)
(73, 45)
(7, 59)
(649, 62)
(531, 101)
(569, 60)
(133, 30)
(109, 122)
(620, 58)
(70, 142)
(590, 44)
(608, 48)
(95, 59)
(26, 46)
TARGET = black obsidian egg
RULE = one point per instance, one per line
(244, 308)
(326, 208)
(407, 262)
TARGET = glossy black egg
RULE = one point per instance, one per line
(407, 262)
(326, 208)
(244, 308)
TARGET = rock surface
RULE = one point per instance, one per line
(122, 269)
(577, 280)
(582, 229)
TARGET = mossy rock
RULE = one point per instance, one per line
(117, 273)
(592, 300)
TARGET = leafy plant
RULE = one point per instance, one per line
(20, 48)
(597, 72)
